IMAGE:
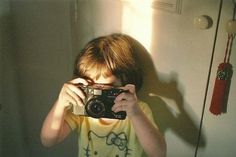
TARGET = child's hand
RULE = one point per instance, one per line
(71, 94)
(127, 101)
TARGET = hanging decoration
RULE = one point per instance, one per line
(222, 82)
(223, 77)
(224, 74)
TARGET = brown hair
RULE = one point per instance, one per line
(110, 55)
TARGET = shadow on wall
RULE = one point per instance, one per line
(182, 125)
(11, 134)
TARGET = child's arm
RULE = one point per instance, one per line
(54, 128)
(149, 136)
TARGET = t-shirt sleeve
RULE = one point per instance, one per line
(72, 120)
(148, 112)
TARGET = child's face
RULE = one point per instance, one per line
(110, 80)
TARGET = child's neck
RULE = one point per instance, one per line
(107, 121)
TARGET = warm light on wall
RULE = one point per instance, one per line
(137, 20)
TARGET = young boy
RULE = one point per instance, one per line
(107, 60)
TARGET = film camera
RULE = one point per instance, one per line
(99, 101)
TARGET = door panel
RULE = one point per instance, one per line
(176, 67)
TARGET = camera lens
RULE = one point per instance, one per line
(95, 108)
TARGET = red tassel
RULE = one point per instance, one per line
(221, 89)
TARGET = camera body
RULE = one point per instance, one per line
(99, 101)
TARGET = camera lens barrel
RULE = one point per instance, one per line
(95, 108)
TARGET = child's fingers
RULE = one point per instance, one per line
(76, 90)
(130, 88)
(123, 96)
(71, 94)
(125, 106)
(121, 106)
(76, 99)
(126, 96)
(129, 93)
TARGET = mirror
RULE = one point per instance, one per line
(40, 39)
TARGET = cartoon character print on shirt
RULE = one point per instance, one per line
(117, 142)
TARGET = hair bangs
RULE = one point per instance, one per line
(94, 70)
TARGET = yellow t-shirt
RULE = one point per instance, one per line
(99, 139)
